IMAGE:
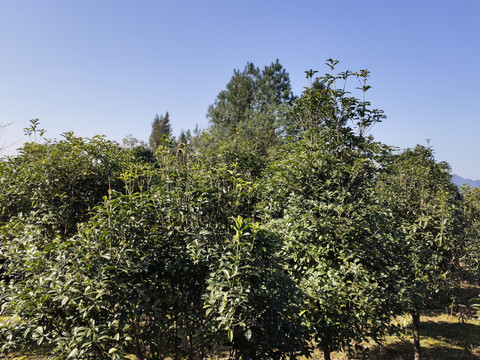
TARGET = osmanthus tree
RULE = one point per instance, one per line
(424, 203)
(470, 210)
(59, 181)
(152, 273)
(319, 199)
(253, 298)
(328, 102)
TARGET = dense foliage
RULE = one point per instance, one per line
(58, 182)
(321, 202)
(424, 203)
(161, 128)
(254, 106)
(281, 228)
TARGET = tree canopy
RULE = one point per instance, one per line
(161, 128)
(254, 106)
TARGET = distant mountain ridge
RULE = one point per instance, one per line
(459, 181)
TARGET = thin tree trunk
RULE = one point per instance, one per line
(416, 334)
(326, 353)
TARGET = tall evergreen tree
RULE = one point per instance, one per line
(160, 128)
(253, 106)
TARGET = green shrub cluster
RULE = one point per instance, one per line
(195, 251)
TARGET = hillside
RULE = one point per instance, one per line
(459, 181)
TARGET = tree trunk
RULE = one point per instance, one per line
(326, 352)
(416, 334)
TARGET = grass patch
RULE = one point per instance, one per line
(26, 355)
(443, 337)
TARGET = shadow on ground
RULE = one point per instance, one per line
(440, 340)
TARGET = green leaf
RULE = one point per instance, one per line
(73, 353)
(39, 330)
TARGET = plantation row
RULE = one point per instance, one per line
(228, 242)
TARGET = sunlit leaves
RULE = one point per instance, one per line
(320, 200)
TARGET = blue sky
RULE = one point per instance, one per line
(108, 66)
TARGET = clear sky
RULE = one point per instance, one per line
(108, 66)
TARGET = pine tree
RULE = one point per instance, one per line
(160, 128)
(253, 106)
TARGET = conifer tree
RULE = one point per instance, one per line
(254, 106)
(160, 128)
